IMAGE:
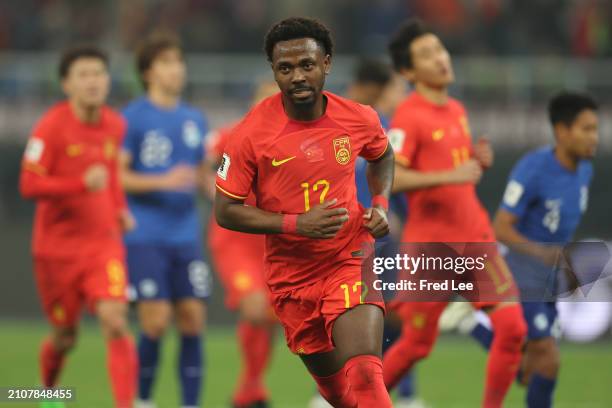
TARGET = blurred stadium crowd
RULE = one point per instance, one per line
(573, 27)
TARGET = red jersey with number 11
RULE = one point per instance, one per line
(292, 166)
(430, 137)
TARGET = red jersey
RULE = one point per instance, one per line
(291, 166)
(69, 220)
(430, 137)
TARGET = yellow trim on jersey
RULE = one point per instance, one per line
(383, 152)
(230, 194)
(402, 160)
(35, 168)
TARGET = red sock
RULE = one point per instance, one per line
(365, 374)
(122, 367)
(336, 390)
(255, 349)
(51, 362)
(509, 330)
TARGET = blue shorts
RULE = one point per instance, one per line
(167, 272)
(541, 319)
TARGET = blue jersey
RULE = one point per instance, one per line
(549, 201)
(157, 140)
(547, 198)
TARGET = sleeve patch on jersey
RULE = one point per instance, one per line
(514, 192)
(396, 138)
(34, 150)
(224, 167)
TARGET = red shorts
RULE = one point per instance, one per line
(308, 313)
(238, 259)
(65, 285)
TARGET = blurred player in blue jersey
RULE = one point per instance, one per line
(545, 198)
(162, 166)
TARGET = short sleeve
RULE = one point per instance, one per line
(131, 140)
(521, 189)
(238, 166)
(39, 153)
(404, 139)
(377, 141)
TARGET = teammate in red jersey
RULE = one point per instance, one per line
(439, 167)
(296, 151)
(70, 169)
(243, 279)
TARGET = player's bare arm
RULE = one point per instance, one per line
(407, 179)
(380, 178)
(506, 233)
(321, 221)
(180, 178)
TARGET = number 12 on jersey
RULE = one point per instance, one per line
(319, 185)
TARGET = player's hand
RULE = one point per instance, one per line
(483, 152)
(375, 220)
(180, 178)
(127, 222)
(558, 257)
(468, 172)
(322, 221)
(96, 177)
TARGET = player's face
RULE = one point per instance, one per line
(299, 68)
(168, 71)
(431, 62)
(87, 82)
(583, 135)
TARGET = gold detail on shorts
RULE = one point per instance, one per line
(242, 281)
(58, 313)
(116, 277)
(418, 320)
(301, 350)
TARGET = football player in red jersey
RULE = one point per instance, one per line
(243, 280)
(70, 169)
(296, 150)
(438, 166)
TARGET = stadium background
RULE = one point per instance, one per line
(509, 57)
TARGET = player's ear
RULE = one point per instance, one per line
(327, 64)
(65, 86)
(408, 74)
(561, 131)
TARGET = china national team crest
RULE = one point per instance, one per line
(342, 149)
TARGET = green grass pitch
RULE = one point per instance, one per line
(451, 377)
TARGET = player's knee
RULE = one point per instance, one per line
(190, 319)
(545, 352)
(65, 339)
(418, 347)
(254, 308)
(154, 329)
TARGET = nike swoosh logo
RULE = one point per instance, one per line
(276, 163)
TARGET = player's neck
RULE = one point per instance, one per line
(85, 114)
(437, 96)
(305, 113)
(567, 160)
(162, 99)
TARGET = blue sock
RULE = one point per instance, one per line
(483, 335)
(148, 353)
(540, 391)
(406, 387)
(190, 370)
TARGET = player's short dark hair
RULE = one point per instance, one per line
(567, 105)
(70, 55)
(298, 27)
(401, 40)
(150, 48)
(372, 71)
